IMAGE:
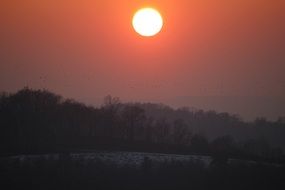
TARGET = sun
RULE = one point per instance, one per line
(147, 22)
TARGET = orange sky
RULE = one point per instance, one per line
(87, 49)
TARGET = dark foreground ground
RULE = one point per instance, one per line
(65, 173)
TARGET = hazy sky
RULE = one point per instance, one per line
(223, 55)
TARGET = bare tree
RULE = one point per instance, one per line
(133, 117)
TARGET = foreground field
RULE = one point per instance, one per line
(134, 170)
(115, 158)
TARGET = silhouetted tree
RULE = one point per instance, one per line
(162, 131)
(199, 144)
(149, 130)
(181, 133)
(110, 108)
(133, 117)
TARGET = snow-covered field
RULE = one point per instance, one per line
(120, 159)
(117, 158)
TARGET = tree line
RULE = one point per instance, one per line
(39, 121)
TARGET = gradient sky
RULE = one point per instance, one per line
(223, 55)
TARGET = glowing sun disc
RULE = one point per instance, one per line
(147, 22)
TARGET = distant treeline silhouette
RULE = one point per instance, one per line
(38, 121)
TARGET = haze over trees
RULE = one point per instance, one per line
(38, 121)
